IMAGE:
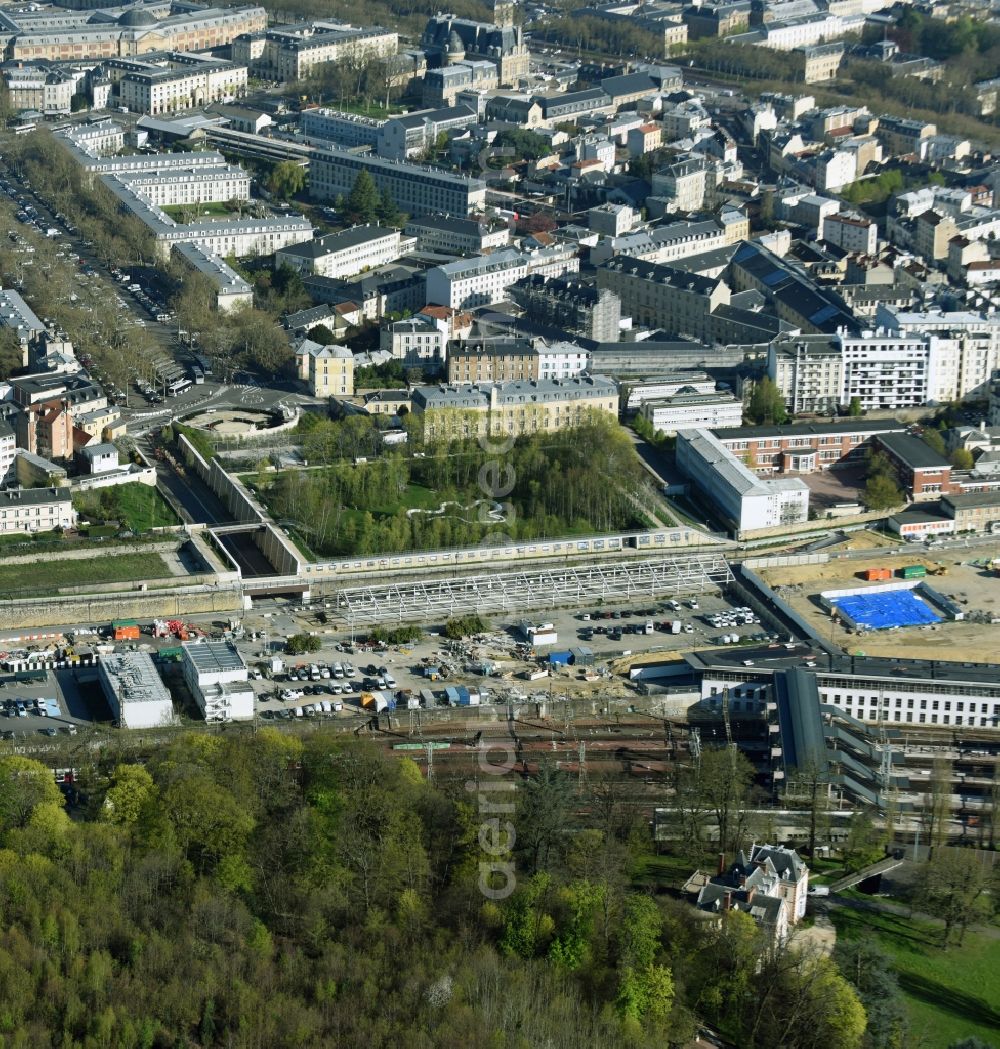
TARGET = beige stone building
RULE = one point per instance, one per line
(513, 408)
(331, 372)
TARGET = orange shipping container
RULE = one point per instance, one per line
(127, 633)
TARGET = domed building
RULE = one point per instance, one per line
(448, 40)
(136, 18)
(454, 50)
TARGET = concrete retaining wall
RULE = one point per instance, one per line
(780, 560)
(92, 609)
(235, 497)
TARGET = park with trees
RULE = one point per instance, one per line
(578, 480)
(243, 890)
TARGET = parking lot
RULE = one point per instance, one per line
(76, 705)
(615, 635)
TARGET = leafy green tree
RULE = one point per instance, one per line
(971, 1043)
(882, 492)
(128, 799)
(286, 179)
(363, 202)
(25, 785)
(863, 844)
(854, 409)
(299, 644)
(767, 405)
(645, 989)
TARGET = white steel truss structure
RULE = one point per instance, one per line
(532, 589)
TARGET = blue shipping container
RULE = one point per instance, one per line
(463, 695)
(561, 658)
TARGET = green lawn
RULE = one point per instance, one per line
(950, 994)
(26, 580)
(665, 872)
(138, 506)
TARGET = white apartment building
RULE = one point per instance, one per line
(478, 281)
(195, 186)
(186, 85)
(342, 254)
(217, 678)
(801, 32)
(745, 501)
(458, 236)
(36, 510)
(96, 139)
(415, 190)
(416, 340)
(809, 372)
(612, 220)
(42, 88)
(886, 371)
(8, 451)
(683, 184)
(561, 360)
(683, 119)
(663, 244)
(965, 346)
(690, 410)
(850, 233)
(240, 237)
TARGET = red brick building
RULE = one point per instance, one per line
(922, 472)
(803, 447)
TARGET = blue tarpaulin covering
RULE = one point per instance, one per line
(890, 608)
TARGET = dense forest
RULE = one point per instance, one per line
(582, 479)
(263, 892)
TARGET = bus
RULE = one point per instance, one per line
(197, 375)
(178, 386)
(25, 127)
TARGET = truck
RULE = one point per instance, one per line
(648, 628)
(675, 626)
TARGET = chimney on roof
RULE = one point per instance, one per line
(727, 901)
(722, 863)
(751, 892)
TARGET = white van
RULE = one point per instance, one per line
(298, 712)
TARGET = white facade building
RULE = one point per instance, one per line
(342, 254)
(134, 691)
(205, 185)
(416, 340)
(691, 410)
(36, 510)
(217, 678)
(479, 281)
(743, 500)
(188, 82)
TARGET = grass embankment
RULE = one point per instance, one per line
(39, 577)
(949, 995)
(138, 507)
